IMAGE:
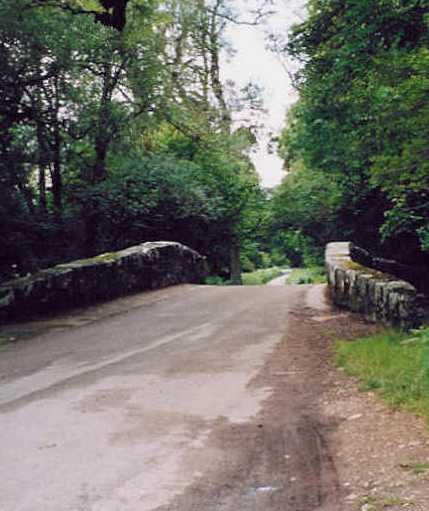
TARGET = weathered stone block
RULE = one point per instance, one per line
(379, 296)
(146, 266)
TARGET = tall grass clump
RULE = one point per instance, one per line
(394, 364)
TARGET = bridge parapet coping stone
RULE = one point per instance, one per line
(379, 296)
(142, 267)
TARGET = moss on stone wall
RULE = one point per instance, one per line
(147, 266)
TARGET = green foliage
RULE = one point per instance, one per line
(146, 198)
(215, 280)
(395, 364)
(252, 257)
(303, 215)
(295, 248)
(108, 137)
(356, 143)
(260, 277)
(310, 275)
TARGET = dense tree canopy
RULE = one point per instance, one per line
(115, 129)
(357, 142)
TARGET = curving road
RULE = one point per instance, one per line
(162, 401)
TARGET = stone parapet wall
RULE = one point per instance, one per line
(143, 267)
(379, 296)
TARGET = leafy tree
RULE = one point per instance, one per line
(115, 128)
(359, 131)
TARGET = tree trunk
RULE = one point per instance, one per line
(216, 82)
(26, 193)
(43, 159)
(91, 228)
(42, 190)
(43, 154)
(104, 128)
(235, 266)
(99, 171)
(57, 185)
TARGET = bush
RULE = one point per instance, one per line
(215, 280)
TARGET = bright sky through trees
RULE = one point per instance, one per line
(254, 61)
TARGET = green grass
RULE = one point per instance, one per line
(394, 364)
(311, 275)
(260, 277)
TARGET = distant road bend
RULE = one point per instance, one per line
(183, 399)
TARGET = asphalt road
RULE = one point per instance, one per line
(281, 281)
(156, 402)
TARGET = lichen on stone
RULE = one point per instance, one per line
(146, 266)
(379, 296)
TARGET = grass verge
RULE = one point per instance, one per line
(254, 278)
(311, 275)
(394, 364)
(260, 277)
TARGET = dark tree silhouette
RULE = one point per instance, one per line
(114, 15)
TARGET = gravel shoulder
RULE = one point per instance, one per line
(376, 450)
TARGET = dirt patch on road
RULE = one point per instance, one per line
(318, 444)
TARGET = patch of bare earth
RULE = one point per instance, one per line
(380, 455)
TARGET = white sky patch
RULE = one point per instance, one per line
(254, 62)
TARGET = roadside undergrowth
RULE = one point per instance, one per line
(394, 364)
(254, 278)
(260, 277)
(310, 275)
